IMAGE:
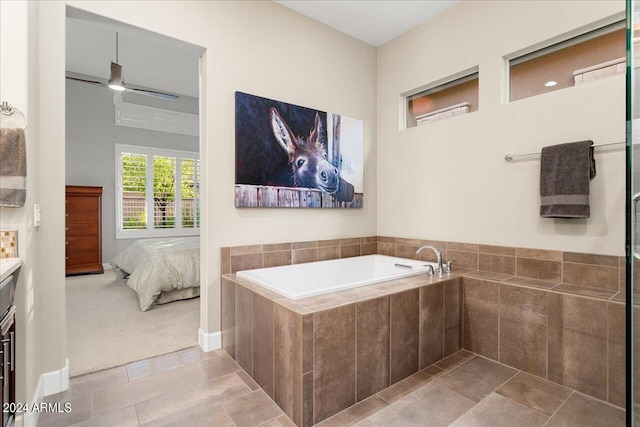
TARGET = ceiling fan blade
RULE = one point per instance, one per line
(154, 94)
(93, 82)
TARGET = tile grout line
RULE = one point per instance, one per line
(558, 408)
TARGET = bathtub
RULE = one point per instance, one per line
(315, 278)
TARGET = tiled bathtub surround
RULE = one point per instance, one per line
(557, 315)
(320, 355)
(239, 258)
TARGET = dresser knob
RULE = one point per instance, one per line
(66, 243)
(66, 228)
(66, 257)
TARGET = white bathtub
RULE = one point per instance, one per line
(316, 278)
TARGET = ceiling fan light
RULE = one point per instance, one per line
(116, 82)
(116, 85)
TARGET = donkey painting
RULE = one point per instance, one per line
(307, 155)
(283, 145)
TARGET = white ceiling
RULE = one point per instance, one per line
(148, 60)
(373, 21)
(157, 62)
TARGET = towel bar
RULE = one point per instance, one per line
(508, 157)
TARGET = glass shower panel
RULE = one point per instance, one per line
(633, 211)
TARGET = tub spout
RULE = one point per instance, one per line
(438, 257)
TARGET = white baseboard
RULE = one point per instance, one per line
(209, 341)
(107, 266)
(56, 381)
(49, 383)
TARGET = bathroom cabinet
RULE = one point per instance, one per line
(8, 366)
(83, 230)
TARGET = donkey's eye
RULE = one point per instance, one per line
(300, 162)
(325, 155)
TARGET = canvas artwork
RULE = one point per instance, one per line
(292, 156)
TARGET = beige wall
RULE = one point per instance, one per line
(18, 86)
(448, 180)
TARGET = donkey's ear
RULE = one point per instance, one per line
(283, 134)
(314, 136)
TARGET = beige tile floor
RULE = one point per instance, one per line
(192, 388)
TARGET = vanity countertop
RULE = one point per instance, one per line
(8, 266)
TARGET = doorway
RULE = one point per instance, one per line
(138, 144)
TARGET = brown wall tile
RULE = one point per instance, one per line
(372, 347)
(452, 316)
(353, 241)
(367, 249)
(497, 263)
(307, 399)
(329, 252)
(325, 243)
(287, 363)
(539, 269)
(539, 254)
(386, 239)
(593, 276)
(462, 259)
(480, 317)
(497, 250)
(369, 239)
(245, 262)
(263, 343)
(616, 354)
(307, 343)
(348, 251)
(577, 347)
(299, 256)
(276, 247)
(244, 325)
(465, 247)
(225, 261)
(404, 334)
(387, 248)
(334, 370)
(273, 259)
(584, 315)
(245, 250)
(404, 251)
(228, 316)
(438, 244)
(431, 331)
(523, 329)
(304, 245)
(606, 260)
(408, 242)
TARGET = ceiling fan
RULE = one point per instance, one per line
(117, 85)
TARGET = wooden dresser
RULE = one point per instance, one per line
(83, 230)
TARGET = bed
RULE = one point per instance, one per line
(161, 270)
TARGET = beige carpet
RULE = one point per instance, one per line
(105, 327)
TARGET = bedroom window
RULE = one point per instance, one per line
(157, 192)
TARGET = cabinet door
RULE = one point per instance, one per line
(8, 368)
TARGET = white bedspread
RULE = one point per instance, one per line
(161, 270)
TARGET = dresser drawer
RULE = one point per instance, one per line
(82, 229)
(82, 217)
(82, 203)
(82, 257)
(81, 243)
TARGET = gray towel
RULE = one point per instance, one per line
(565, 172)
(13, 167)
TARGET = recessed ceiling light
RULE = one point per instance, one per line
(551, 83)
